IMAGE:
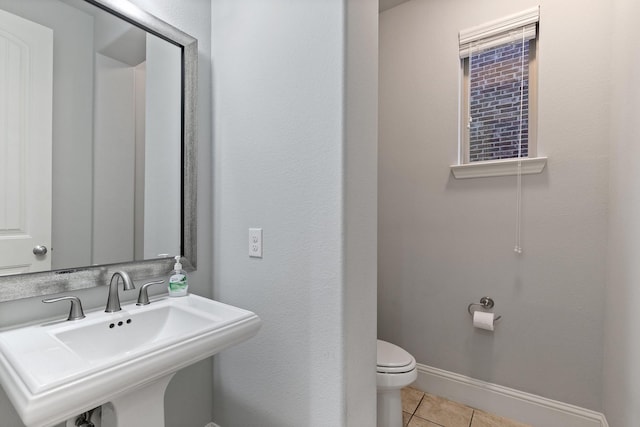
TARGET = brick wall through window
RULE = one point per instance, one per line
(494, 93)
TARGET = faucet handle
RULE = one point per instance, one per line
(76, 312)
(143, 296)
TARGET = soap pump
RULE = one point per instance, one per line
(178, 281)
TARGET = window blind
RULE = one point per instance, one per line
(499, 32)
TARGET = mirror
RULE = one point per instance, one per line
(120, 161)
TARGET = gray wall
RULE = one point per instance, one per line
(162, 189)
(622, 342)
(113, 150)
(189, 395)
(290, 118)
(360, 171)
(444, 243)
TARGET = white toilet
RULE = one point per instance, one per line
(396, 369)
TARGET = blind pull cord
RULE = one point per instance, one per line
(518, 246)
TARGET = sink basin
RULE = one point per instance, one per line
(55, 370)
(105, 338)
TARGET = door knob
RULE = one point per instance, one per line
(40, 250)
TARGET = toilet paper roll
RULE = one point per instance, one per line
(483, 320)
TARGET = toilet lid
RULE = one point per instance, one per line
(393, 359)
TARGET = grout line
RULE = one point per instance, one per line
(424, 394)
(418, 405)
(416, 409)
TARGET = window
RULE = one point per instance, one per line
(497, 82)
(497, 117)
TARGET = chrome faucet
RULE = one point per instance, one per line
(113, 302)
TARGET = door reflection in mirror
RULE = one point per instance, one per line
(116, 126)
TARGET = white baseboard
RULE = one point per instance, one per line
(520, 406)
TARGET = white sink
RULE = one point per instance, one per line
(140, 330)
(53, 371)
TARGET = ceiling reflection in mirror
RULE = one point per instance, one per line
(112, 191)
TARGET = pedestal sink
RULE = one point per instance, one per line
(55, 370)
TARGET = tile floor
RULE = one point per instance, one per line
(421, 409)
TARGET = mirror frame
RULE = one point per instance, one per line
(27, 285)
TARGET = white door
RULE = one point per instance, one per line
(26, 74)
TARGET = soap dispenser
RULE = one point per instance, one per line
(178, 281)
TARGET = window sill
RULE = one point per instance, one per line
(499, 168)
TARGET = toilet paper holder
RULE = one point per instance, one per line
(485, 302)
